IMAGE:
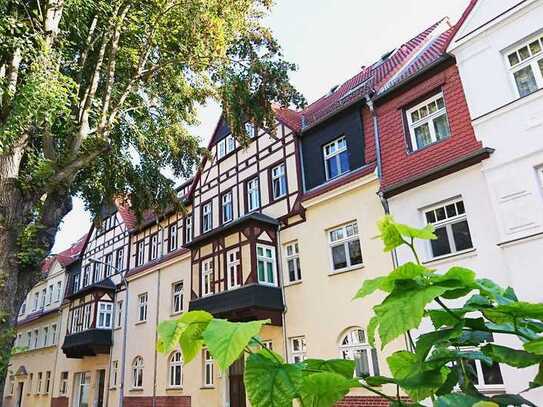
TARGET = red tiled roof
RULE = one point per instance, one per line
(290, 118)
(68, 256)
(129, 217)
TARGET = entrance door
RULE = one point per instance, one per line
(81, 389)
(101, 376)
(237, 389)
(19, 402)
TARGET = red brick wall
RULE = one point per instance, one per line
(364, 401)
(161, 401)
(399, 164)
(59, 402)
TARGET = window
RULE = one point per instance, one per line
(250, 129)
(36, 336)
(153, 249)
(114, 373)
(297, 349)
(353, 346)
(451, 228)
(30, 383)
(49, 295)
(336, 158)
(345, 247)
(265, 258)
(268, 345)
(188, 229)
(176, 369)
(19, 340)
(109, 264)
(119, 260)
(105, 315)
(207, 277)
(36, 301)
(29, 339)
(225, 146)
(142, 307)
(63, 389)
(233, 269)
(119, 313)
(53, 334)
(76, 278)
(45, 335)
(221, 148)
(47, 382)
(428, 122)
(87, 273)
(253, 195)
(207, 217)
(293, 262)
(526, 65)
(208, 369)
(230, 144)
(227, 210)
(484, 375)
(59, 291)
(23, 308)
(177, 297)
(39, 384)
(172, 237)
(279, 181)
(140, 253)
(137, 372)
(43, 295)
(87, 315)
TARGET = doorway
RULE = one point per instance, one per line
(81, 389)
(237, 388)
(101, 378)
(19, 402)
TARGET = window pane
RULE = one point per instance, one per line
(451, 210)
(422, 135)
(415, 116)
(440, 103)
(441, 126)
(291, 270)
(375, 362)
(362, 366)
(524, 53)
(344, 161)
(540, 62)
(332, 165)
(535, 47)
(492, 374)
(430, 217)
(440, 214)
(261, 271)
(339, 257)
(513, 59)
(270, 277)
(461, 235)
(525, 80)
(460, 207)
(354, 252)
(440, 246)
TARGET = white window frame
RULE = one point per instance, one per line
(47, 384)
(175, 363)
(137, 372)
(63, 387)
(43, 296)
(447, 223)
(119, 313)
(36, 339)
(114, 374)
(266, 260)
(227, 202)
(221, 148)
(332, 151)
(208, 374)
(177, 297)
(108, 266)
(207, 277)
(45, 335)
(119, 259)
(39, 382)
(172, 237)
(355, 344)
(230, 143)
(428, 119)
(53, 334)
(250, 129)
(233, 269)
(188, 229)
(140, 250)
(532, 61)
(253, 194)
(279, 176)
(36, 301)
(153, 250)
(59, 291)
(49, 299)
(344, 241)
(207, 217)
(292, 256)
(104, 315)
(480, 374)
(142, 307)
(297, 349)
(22, 310)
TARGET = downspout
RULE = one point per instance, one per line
(282, 285)
(156, 337)
(125, 323)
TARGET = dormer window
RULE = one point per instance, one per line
(526, 65)
(336, 158)
(225, 146)
(250, 129)
(428, 122)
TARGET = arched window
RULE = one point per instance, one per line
(137, 372)
(353, 346)
(176, 369)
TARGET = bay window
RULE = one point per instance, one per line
(105, 315)
(265, 258)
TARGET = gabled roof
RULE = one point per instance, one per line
(68, 256)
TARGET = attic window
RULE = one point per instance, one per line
(333, 89)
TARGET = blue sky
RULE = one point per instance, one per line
(329, 41)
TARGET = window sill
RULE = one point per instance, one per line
(293, 283)
(136, 389)
(207, 388)
(140, 322)
(346, 270)
(174, 388)
(464, 254)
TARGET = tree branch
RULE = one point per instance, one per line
(12, 74)
(71, 169)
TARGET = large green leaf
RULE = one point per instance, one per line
(194, 323)
(458, 400)
(460, 275)
(369, 287)
(168, 335)
(512, 400)
(412, 376)
(442, 318)
(426, 233)
(343, 367)
(403, 310)
(389, 233)
(535, 346)
(226, 340)
(324, 389)
(511, 357)
(514, 311)
(427, 341)
(372, 326)
(270, 383)
(376, 381)
(538, 379)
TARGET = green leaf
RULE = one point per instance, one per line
(343, 367)
(443, 318)
(535, 346)
(512, 400)
(464, 276)
(449, 385)
(426, 233)
(489, 288)
(325, 389)
(538, 379)
(369, 287)
(485, 403)
(457, 400)
(473, 338)
(226, 340)
(372, 326)
(376, 381)
(406, 272)
(389, 233)
(167, 335)
(511, 357)
(194, 324)
(411, 375)
(403, 310)
(427, 341)
(513, 311)
(269, 383)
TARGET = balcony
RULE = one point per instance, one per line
(87, 343)
(247, 303)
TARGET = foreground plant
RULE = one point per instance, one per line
(437, 366)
